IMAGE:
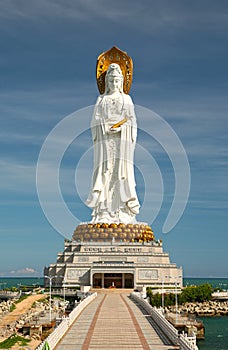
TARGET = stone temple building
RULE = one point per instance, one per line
(100, 257)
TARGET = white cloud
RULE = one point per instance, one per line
(156, 16)
(44, 8)
(26, 271)
(212, 204)
(41, 104)
(21, 137)
(17, 177)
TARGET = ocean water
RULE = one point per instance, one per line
(8, 282)
(216, 328)
(216, 333)
(215, 282)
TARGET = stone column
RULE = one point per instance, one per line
(102, 280)
(123, 280)
(134, 274)
(91, 278)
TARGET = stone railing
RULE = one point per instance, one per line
(67, 291)
(53, 339)
(220, 295)
(185, 342)
(117, 243)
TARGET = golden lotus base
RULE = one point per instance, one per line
(108, 232)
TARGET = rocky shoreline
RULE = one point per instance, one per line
(39, 310)
(5, 307)
(207, 308)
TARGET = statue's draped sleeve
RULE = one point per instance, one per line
(100, 156)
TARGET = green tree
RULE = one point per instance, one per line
(196, 294)
(169, 299)
(189, 294)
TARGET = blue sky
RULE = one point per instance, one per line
(48, 58)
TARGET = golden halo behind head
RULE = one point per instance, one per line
(114, 55)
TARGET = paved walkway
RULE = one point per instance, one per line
(112, 321)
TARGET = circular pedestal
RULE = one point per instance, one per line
(118, 232)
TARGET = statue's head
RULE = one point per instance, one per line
(114, 78)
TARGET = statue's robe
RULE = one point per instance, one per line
(113, 196)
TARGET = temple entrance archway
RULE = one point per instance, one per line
(113, 280)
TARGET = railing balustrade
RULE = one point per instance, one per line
(53, 339)
(185, 342)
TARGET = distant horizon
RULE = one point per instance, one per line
(215, 277)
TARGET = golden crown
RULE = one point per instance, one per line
(121, 58)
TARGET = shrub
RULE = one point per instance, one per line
(12, 340)
(12, 307)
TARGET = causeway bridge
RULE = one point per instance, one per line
(112, 320)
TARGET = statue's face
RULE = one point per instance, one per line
(114, 84)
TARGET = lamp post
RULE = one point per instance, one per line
(50, 284)
(64, 296)
(176, 299)
(64, 291)
(163, 293)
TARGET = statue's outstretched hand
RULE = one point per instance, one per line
(114, 130)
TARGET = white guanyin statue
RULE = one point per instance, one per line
(113, 195)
